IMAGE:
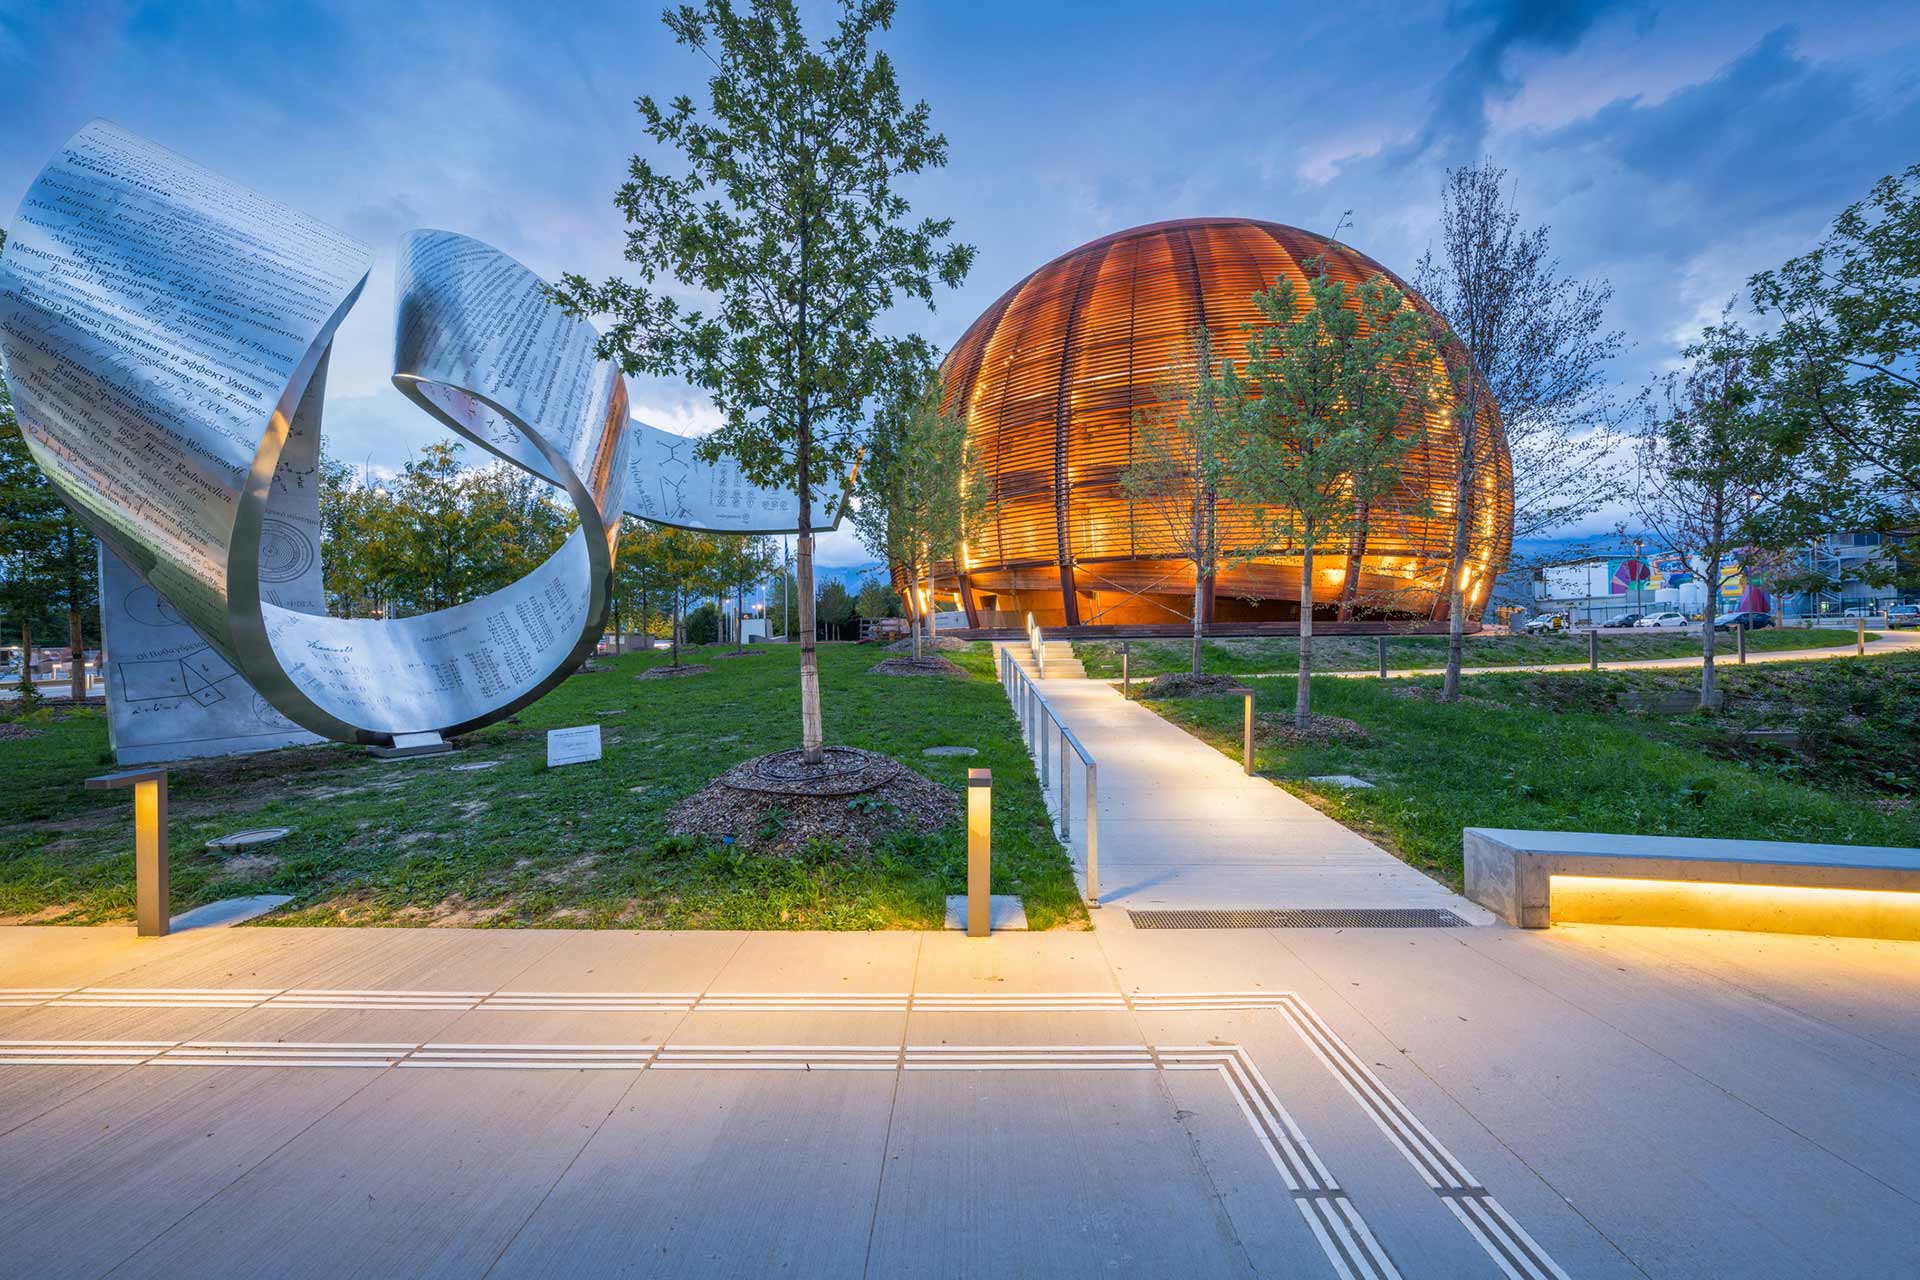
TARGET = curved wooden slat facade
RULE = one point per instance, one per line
(1051, 379)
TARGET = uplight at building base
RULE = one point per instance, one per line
(1686, 904)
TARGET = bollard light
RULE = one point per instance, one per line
(152, 914)
(1860, 636)
(1383, 657)
(1740, 636)
(1246, 735)
(979, 852)
(1593, 649)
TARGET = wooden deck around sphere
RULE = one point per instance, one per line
(1051, 379)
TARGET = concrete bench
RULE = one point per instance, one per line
(1771, 885)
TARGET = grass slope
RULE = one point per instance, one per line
(411, 842)
(1552, 752)
(1251, 656)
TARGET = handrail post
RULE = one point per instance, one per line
(1246, 735)
(1043, 753)
(1066, 792)
(1093, 834)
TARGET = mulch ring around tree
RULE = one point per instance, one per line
(1278, 726)
(17, 732)
(590, 668)
(928, 666)
(947, 643)
(1184, 684)
(776, 803)
(669, 671)
(748, 652)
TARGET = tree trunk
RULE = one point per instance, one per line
(1303, 684)
(1356, 548)
(27, 691)
(79, 656)
(1468, 424)
(1707, 674)
(926, 607)
(812, 742)
(1199, 613)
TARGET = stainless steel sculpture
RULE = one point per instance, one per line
(165, 332)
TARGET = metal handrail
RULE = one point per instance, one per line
(1029, 707)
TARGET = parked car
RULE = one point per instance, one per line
(1861, 611)
(1751, 619)
(1904, 615)
(1546, 622)
(1667, 619)
(1624, 620)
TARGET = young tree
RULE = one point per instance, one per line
(834, 609)
(1184, 464)
(922, 490)
(743, 562)
(1708, 468)
(877, 599)
(686, 560)
(1529, 344)
(49, 563)
(1840, 363)
(785, 211)
(1339, 386)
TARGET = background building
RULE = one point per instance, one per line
(1051, 379)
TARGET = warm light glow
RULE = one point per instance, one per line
(1686, 904)
(1051, 379)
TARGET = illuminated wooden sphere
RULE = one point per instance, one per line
(1053, 379)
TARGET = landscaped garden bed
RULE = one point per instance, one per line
(425, 842)
(1263, 654)
(1826, 751)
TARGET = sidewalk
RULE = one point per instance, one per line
(1584, 1102)
(1182, 827)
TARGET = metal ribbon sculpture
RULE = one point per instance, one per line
(165, 334)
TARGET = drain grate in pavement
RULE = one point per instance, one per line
(1304, 918)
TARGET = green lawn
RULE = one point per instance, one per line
(410, 842)
(1552, 751)
(1251, 656)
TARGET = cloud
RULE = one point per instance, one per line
(1456, 124)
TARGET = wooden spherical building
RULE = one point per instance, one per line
(1053, 379)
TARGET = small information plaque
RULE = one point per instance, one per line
(573, 746)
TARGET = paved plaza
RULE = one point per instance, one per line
(1464, 1102)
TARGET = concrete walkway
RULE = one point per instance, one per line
(1182, 827)
(1584, 1102)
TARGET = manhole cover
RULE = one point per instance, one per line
(1303, 918)
(476, 766)
(842, 771)
(950, 751)
(250, 839)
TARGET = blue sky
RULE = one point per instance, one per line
(1674, 148)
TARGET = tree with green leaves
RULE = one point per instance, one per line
(49, 562)
(834, 610)
(1186, 451)
(1840, 369)
(1709, 474)
(922, 490)
(1333, 398)
(743, 562)
(877, 599)
(686, 559)
(782, 207)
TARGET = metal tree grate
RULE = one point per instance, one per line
(1303, 918)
